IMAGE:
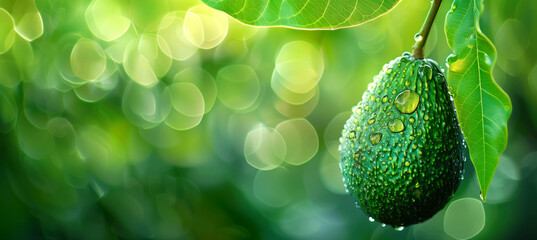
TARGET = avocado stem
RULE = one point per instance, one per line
(421, 36)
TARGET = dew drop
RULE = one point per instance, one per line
(453, 9)
(418, 37)
(396, 125)
(383, 225)
(371, 219)
(407, 101)
(399, 228)
(375, 138)
(372, 119)
(481, 196)
(450, 59)
(385, 99)
(426, 71)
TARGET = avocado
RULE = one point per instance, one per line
(402, 150)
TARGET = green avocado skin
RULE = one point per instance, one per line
(402, 150)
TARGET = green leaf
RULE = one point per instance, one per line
(306, 14)
(482, 106)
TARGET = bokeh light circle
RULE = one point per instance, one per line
(331, 174)
(172, 39)
(464, 218)
(332, 132)
(7, 31)
(106, 20)
(203, 80)
(88, 60)
(146, 107)
(205, 27)
(137, 67)
(300, 66)
(188, 106)
(238, 86)
(504, 182)
(274, 188)
(187, 99)
(264, 148)
(155, 56)
(28, 21)
(301, 140)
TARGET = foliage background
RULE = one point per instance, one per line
(80, 161)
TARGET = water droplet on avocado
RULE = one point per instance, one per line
(396, 125)
(426, 71)
(372, 119)
(399, 228)
(375, 138)
(407, 101)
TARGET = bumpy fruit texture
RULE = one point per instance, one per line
(402, 150)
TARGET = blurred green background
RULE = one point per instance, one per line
(135, 119)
